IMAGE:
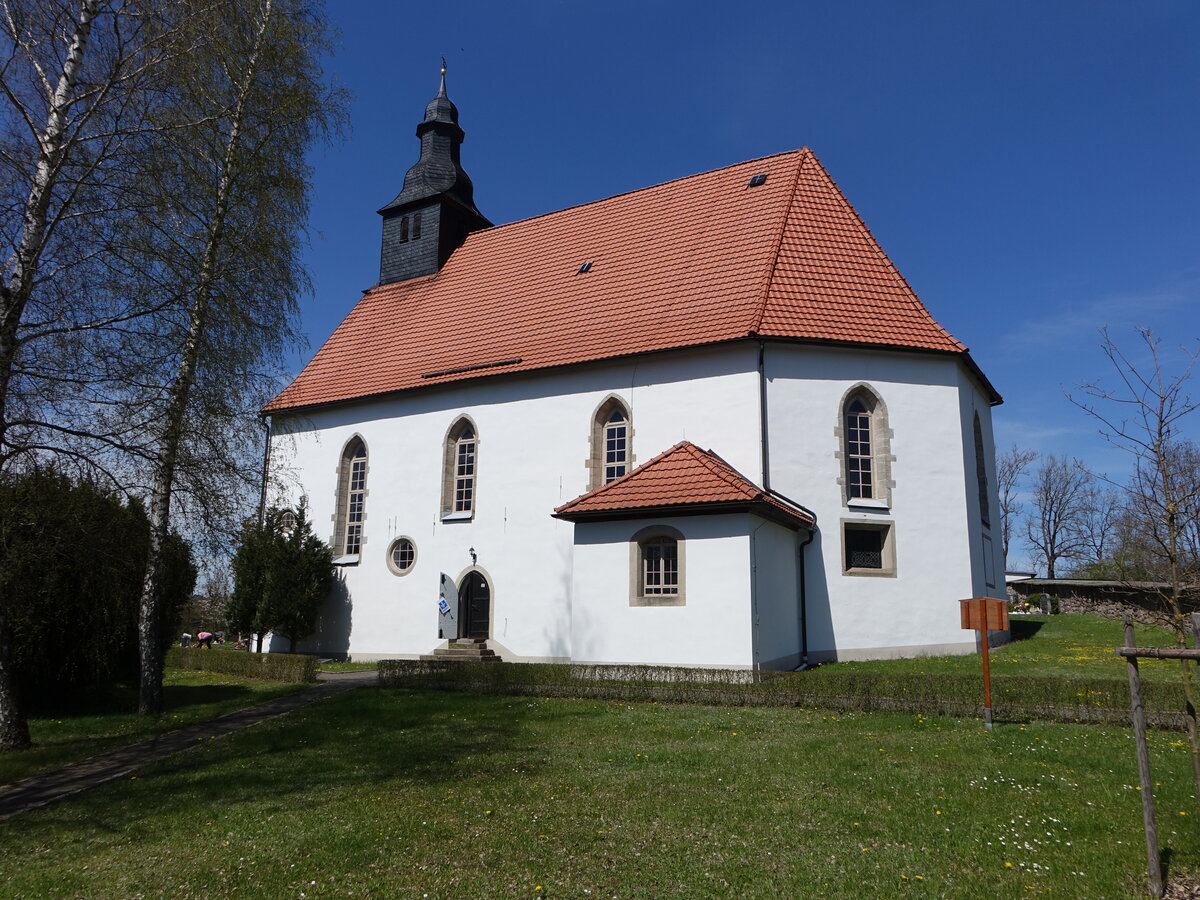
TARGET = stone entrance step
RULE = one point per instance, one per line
(464, 651)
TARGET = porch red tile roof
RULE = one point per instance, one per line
(700, 260)
(682, 480)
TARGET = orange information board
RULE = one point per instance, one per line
(984, 614)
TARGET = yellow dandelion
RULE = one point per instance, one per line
(1007, 865)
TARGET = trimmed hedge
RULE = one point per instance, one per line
(1104, 701)
(289, 667)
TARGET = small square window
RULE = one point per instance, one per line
(868, 548)
(756, 180)
(657, 567)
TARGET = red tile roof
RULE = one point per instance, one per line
(683, 480)
(696, 261)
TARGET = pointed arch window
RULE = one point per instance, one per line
(403, 229)
(460, 461)
(981, 474)
(352, 497)
(859, 461)
(865, 450)
(611, 450)
(416, 229)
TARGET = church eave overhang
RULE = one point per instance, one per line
(761, 508)
(468, 375)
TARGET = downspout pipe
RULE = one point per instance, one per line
(802, 598)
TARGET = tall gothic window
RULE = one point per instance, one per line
(865, 448)
(981, 474)
(458, 483)
(611, 434)
(352, 495)
(860, 478)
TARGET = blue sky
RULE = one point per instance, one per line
(1029, 166)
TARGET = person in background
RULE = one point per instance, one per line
(185, 640)
(205, 639)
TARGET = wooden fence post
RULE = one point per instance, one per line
(1153, 859)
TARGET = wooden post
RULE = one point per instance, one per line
(985, 615)
(987, 681)
(1153, 860)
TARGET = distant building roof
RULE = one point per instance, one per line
(683, 480)
(716, 257)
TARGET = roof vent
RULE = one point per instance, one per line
(584, 268)
(756, 180)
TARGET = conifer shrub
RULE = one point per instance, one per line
(72, 556)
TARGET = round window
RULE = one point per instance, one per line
(402, 554)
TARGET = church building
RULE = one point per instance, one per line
(705, 423)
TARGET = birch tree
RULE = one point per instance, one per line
(74, 78)
(228, 196)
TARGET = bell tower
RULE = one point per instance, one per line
(435, 210)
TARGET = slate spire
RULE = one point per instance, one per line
(435, 210)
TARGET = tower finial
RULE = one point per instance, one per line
(442, 89)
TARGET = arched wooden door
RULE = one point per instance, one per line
(474, 607)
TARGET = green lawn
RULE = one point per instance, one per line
(347, 666)
(390, 793)
(1064, 646)
(103, 721)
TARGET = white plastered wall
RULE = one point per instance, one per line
(937, 554)
(533, 451)
(713, 627)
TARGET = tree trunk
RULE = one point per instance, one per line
(14, 295)
(14, 732)
(150, 690)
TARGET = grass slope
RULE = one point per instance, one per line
(101, 721)
(1065, 646)
(393, 793)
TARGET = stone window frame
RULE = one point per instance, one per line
(985, 515)
(888, 527)
(450, 471)
(598, 437)
(392, 565)
(881, 447)
(341, 505)
(637, 543)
